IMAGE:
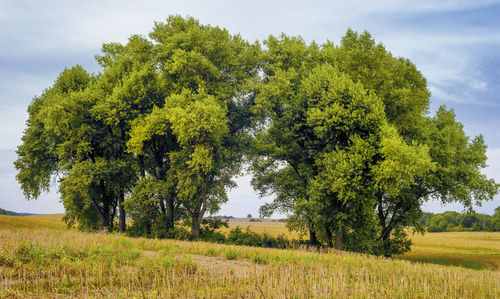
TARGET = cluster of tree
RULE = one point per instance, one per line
(223, 217)
(158, 133)
(340, 135)
(457, 222)
(348, 149)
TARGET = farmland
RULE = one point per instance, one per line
(475, 250)
(41, 258)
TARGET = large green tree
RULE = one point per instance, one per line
(197, 134)
(341, 136)
(365, 183)
(281, 164)
(64, 138)
(136, 134)
(455, 175)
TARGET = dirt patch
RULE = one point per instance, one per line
(219, 265)
(149, 253)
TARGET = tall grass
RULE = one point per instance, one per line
(48, 262)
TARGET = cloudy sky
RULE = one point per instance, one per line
(455, 44)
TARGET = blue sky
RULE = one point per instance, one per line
(456, 45)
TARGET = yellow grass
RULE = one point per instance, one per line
(469, 249)
(53, 221)
(475, 250)
(272, 228)
(40, 261)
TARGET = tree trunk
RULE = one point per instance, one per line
(107, 221)
(195, 228)
(123, 224)
(339, 239)
(386, 233)
(312, 237)
(197, 217)
(329, 241)
(170, 212)
(103, 215)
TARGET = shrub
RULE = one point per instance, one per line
(259, 259)
(238, 237)
(29, 252)
(231, 254)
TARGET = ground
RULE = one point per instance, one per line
(40, 258)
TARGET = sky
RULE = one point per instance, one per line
(455, 44)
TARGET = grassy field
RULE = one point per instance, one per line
(40, 258)
(474, 250)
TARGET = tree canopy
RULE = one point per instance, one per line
(340, 135)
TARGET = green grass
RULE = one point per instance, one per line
(447, 261)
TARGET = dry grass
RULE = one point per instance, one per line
(473, 250)
(49, 262)
(53, 221)
(272, 228)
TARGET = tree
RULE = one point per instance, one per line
(280, 164)
(130, 89)
(196, 135)
(289, 150)
(199, 122)
(403, 90)
(495, 222)
(64, 138)
(401, 160)
(118, 139)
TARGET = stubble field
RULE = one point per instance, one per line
(40, 258)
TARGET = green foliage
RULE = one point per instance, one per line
(254, 220)
(345, 128)
(249, 238)
(159, 130)
(495, 222)
(231, 254)
(259, 259)
(339, 134)
(453, 221)
(209, 227)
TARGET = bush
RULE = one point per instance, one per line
(238, 237)
(29, 252)
(255, 220)
(208, 230)
(231, 254)
(259, 259)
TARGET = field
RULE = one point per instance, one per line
(40, 258)
(474, 250)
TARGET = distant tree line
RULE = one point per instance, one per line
(340, 135)
(458, 222)
(10, 213)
